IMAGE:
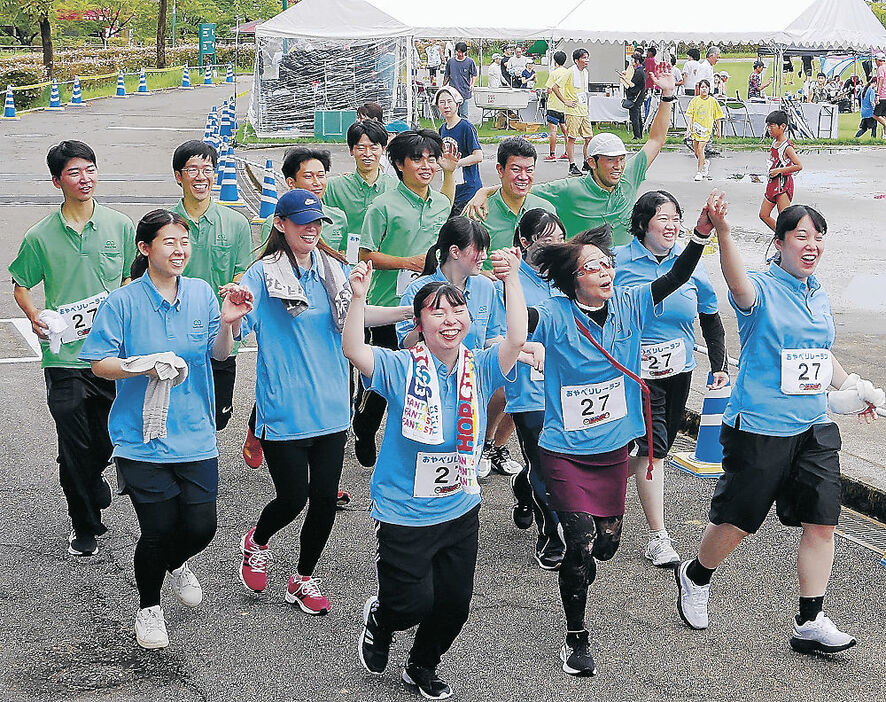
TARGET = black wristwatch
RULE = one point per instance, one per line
(668, 99)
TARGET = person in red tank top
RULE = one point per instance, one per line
(783, 163)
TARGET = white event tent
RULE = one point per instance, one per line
(777, 24)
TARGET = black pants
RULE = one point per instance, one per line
(528, 425)
(304, 471)
(80, 402)
(370, 407)
(636, 115)
(224, 373)
(171, 532)
(426, 577)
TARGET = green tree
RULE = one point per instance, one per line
(17, 22)
(32, 16)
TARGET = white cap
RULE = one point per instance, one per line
(606, 144)
(880, 56)
(452, 92)
(724, 74)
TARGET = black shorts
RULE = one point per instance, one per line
(800, 474)
(195, 482)
(880, 109)
(555, 117)
(668, 396)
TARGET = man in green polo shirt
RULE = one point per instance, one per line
(353, 193)
(221, 248)
(80, 253)
(306, 167)
(400, 226)
(606, 194)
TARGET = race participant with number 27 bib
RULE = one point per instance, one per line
(593, 406)
(668, 341)
(80, 253)
(779, 446)
(425, 494)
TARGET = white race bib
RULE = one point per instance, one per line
(535, 375)
(352, 254)
(79, 316)
(806, 371)
(404, 278)
(662, 359)
(587, 406)
(436, 475)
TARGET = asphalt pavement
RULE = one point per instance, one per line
(67, 622)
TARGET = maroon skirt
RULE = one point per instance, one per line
(593, 484)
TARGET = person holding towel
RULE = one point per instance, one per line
(155, 337)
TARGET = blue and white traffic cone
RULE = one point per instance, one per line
(268, 195)
(142, 83)
(216, 139)
(207, 74)
(224, 129)
(230, 194)
(229, 76)
(708, 456)
(186, 79)
(9, 106)
(220, 167)
(232, 109)
(55, 100)
(76, 95)
(121, 86)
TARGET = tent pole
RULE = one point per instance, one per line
(409, 80)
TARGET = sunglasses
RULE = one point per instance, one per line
(595, 265)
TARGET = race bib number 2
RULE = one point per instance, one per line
(436, 475)
(79, 316)
(588, 406)
(806, 371)
(662, 360)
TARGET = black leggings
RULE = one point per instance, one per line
(171, 532)
(304, 471)
(587, 538)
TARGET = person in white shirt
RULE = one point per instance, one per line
(516, 66)
(494, 77)
(706, 67)
(435, 60)
(690, 71)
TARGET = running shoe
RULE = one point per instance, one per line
(374, 644)
(562, 157)
(692, 599)
(820, 635)
(698, 177)
(150, 628)
(549, 560)
(186, 586)
(364, 450)
(253, 454)
(585, 167)
(576, 655)
(661, 552)
(550, 157)
(522, 511)
(342, 499)
(573, 170)
(502, 463)
(484, 465)
(82, 544)
(427, 681)
(256, 559)
(304, 591)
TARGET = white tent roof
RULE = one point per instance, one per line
(846, 24)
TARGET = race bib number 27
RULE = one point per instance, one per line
(806, 371)
(662, 360)
(79, 316)
(436, 475)
(587, 406)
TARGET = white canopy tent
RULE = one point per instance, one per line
(780, 24)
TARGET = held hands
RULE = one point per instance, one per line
(857, 396)
(713, 214)
(360, 278)
(477, 207)
(506, 264)
(721, 380)
(237, 302)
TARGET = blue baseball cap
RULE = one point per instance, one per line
(301, 207)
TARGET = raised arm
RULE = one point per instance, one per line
(658, 131)
(506, 267)
(743, 291)
(353, 343)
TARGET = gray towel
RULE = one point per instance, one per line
(171, 371)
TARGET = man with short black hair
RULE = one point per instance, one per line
(80, 253)
(572, 90)
(461, 74)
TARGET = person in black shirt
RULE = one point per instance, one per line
(635, 94)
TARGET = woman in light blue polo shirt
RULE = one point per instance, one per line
(425, 495)
(155, 337)
(779, 445)
(668, 341)
(593, 406)
(300, 295)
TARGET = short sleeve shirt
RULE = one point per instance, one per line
(582, 204)
(460, 73)
(137, 320)
(75, 267)
(393, 479)
(353, 196)
(701, 115)
(501, 222)
(881, 81)
(755, 84)
(557, 77)
(468, 142)
(575, 87)
(400, 223)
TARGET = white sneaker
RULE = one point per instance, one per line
(186, 586)
(150, 628)
(484, 465)
(698, 177)
(692, 599)
(820, 635)
(661, 552)
(707, 170)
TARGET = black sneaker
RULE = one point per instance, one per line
(576, 655)
(585, 167)
(364, 450)
(573, 170)
(427, 681)
(374, 644)
(502, 463)
(549, 560)
(82, 544)
(522, 512)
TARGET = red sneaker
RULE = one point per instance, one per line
(343, 499)
(304, 591)
(252, 450)
(256, 559)
(562, 157)
(550, 157)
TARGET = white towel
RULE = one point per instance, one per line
(171, 371)
(57, 326)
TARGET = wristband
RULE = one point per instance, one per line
(698, 238)
(669, 98)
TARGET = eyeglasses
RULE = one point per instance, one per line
(193, 170)
(595, 265)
